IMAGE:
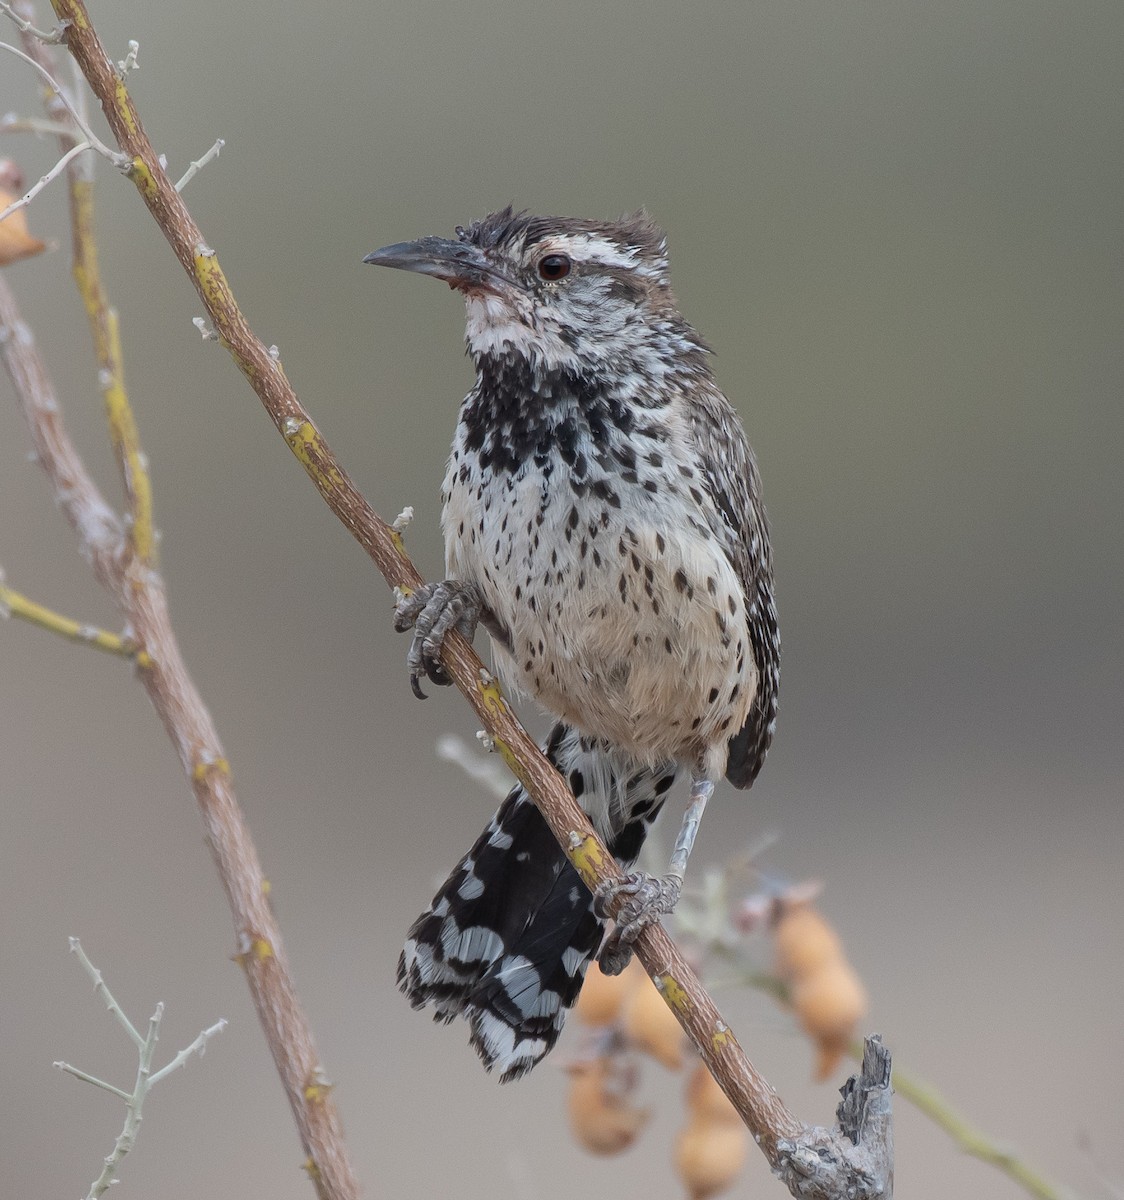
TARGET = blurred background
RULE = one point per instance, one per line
(899, 225)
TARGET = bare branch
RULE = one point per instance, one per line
(11, 123)
(100, 531)
(123, 566)
(139, 593)
(973, 1141)
(198, 164)
(53, 173)
(199, 1046)
(48, 37)
(145, 1080)
(106, 995)
(13, 604)
(87, 1078)
(119, 160)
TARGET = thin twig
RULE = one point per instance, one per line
(53, 173)
(145, 1079)
(106, 334)
(972, 1141)
(199, 1046)
(106, 995)
(13, 604)
(139, 593)
(10, 123)
(119, 564)
(99, 529)
(119, 160)
(53, 99)
(198, 164)
(50, 37)
(101, 1083)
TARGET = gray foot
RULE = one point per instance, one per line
(432, 610)
(648, 898)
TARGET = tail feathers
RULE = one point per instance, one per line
(507, 940)
(518, 1006)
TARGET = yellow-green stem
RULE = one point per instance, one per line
(111, 371)
(17, 605)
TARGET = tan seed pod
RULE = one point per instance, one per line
(829, 1052)
(601, 1119)
(709, 1157)
(650, 1025)
(706, 1101)
(829, 1004)
(802, 942)
(16, 241)
(602, 996)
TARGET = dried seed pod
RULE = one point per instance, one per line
(601, 1118)
(706, 1101)
(16, 241)
(829, 1003)
(602, 996)
(650, 1025)
(709, 1156)
(826, 994)
(829, 1052)
(802, 941)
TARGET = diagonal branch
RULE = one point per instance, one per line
(139, 593)
(120, 555)
(776, 1129)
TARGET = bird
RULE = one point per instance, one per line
(603, 521)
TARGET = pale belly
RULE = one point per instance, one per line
(632, 628)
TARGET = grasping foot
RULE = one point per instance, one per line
(649, 898)
(432, 610)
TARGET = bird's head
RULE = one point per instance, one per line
(561, 292)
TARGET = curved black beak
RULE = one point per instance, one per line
(461, 264)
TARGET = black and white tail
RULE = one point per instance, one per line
(507, 940)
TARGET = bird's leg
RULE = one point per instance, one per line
(649, 896)
(433, 609)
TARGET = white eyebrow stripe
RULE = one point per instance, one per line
(610, 253)
(592, 247)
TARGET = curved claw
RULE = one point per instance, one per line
(649, 897)
(433, 610)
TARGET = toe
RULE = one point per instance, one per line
(615, 955)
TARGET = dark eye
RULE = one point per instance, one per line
(554, 266)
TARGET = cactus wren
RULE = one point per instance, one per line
(603, 520)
